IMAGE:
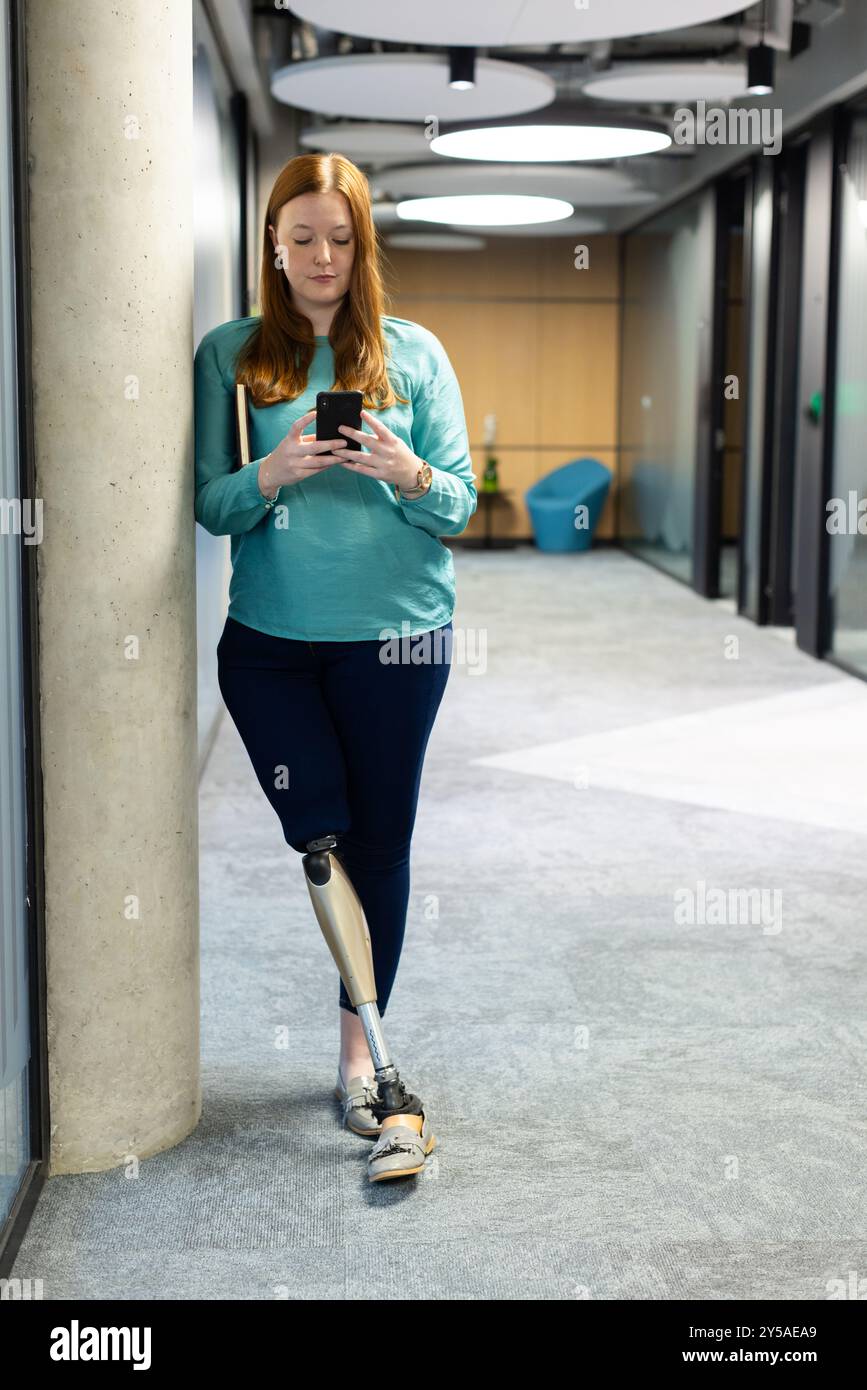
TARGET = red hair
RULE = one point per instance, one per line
(275, 361)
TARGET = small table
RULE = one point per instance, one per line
(487, 541)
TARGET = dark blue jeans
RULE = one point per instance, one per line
(337, 739)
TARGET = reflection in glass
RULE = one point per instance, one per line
(668, 267)
(848, 546)
(761, 272)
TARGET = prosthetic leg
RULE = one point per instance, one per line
(341, 918)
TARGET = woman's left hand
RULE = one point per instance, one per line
(389, 458)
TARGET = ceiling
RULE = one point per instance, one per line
(368, 77)
(500, 23)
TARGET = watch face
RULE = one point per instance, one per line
(426, 473)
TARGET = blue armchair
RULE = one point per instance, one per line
(565, 505)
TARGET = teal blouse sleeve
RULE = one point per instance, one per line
(439, 436)
(227, 501)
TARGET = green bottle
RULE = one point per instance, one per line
(490, 481)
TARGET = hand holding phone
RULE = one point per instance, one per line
(297, 457)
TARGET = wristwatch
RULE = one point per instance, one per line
(423, 480)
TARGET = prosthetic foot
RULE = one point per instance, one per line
(341, 918)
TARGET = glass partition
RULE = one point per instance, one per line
(847, 577)
(666, 332)
(734, 374)
(15, 1146)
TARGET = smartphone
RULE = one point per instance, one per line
(335, 408)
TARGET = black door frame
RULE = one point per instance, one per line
(789, 189)
(710, 440)
(814, 437)
(721, 358)
(769, 477)
(752, 604)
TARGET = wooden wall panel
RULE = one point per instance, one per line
(507, 267)
(577, 374)
(517, 469)
(535, 342)
(559, 278)
(493, 348)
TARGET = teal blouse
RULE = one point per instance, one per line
(338, 558)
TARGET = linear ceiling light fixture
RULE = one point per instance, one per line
(485, 209)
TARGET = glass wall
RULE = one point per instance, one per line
(848, 545)
(15, 1146)
(733, 333)
(761, 223)
(666, 333)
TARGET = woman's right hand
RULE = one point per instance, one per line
(296, 457)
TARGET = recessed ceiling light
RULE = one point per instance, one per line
(485, 209)
(549, 143)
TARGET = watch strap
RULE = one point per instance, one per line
(419, 490)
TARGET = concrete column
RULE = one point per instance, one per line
(110, 134)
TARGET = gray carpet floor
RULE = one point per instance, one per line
(666, 1110)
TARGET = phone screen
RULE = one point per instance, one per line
(335, 408)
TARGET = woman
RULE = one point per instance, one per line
(335, 551)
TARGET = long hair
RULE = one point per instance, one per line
(275, 361)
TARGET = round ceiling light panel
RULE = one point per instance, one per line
(549, 142)
(485, 209)
(370, 142)
(669, 82)
(409, 87)
(582, 184)
(502, 22)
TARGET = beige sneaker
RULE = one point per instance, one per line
(356, 1097)
(402, 1147)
